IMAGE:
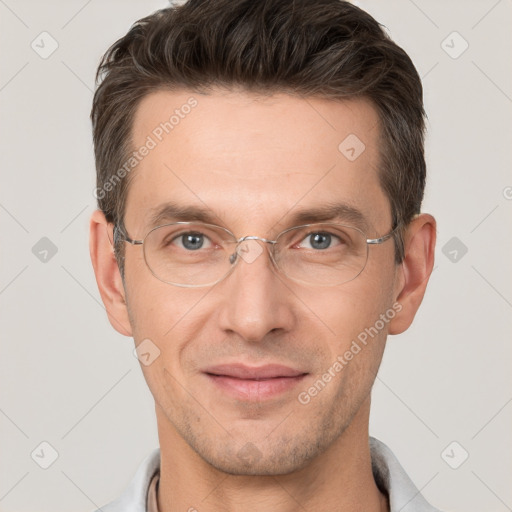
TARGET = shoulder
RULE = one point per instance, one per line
(391, 477)
(134, 497)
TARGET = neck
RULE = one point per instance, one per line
(339, 479)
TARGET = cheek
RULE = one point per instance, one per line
(357, 315)
(350, 310)
(161, 321)
(169, 317)
(359, 318)
(154, 307)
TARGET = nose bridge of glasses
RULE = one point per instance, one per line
(248, 249)
(251, 237)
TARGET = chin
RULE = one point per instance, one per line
(265, 459)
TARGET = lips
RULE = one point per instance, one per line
(253, 383)
(240, 371)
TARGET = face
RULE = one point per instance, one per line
(219, 382)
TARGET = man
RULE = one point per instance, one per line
(260, 173)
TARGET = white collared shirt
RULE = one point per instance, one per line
(140, 495)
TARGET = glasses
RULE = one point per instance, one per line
(195, 254)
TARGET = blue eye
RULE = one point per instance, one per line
(320, 240)
(192, 241)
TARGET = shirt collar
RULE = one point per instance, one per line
(389, 475)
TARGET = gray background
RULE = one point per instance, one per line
(68, 379)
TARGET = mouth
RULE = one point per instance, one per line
(254, 383)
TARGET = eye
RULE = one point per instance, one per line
(321, 240)
(191, 241)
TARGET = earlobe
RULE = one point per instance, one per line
(106, 270)
(414, 271)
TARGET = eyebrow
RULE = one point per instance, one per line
(174, 212)
(328, 212)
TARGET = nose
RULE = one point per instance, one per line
(255, 300)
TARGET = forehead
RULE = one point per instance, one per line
(248, 158)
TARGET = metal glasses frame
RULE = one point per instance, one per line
(119, 235)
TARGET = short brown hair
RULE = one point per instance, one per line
(324, 48)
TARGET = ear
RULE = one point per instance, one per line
(414, 271)
(106, 270)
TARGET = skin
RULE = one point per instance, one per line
(253, 161)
